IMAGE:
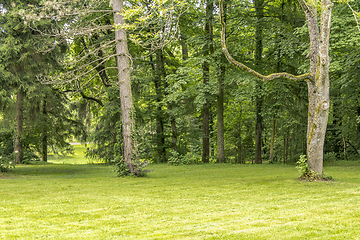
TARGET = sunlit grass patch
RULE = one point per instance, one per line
(77, 158)
(211, 201)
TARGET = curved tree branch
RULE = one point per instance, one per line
(304, 77)
(91, 98)
(82, 95)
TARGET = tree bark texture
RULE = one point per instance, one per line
(126, 100)
(317, 78)
(318, 90)
(18, 146)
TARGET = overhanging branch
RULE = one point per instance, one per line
(304, 77)
(83, 96)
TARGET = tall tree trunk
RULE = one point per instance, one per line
(258, 64)
(160, 115)
(44, 134)
(220, 116)
(206, 132)
(220, 103)
(208, 48)
(318, 90)
(18, 148)
(126, 100)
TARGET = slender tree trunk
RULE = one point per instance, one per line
(208, 48)
(239, 144)
(284, 159)
(159, 115)
(258, 64)
(344, 143)
(126, 100)
(206, 133)
(287, 147)
(220, 104)
(290, 148)
(220, 118)
(272, 141)
(45, 134)
(18, 148)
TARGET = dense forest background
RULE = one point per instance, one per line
(190, 104)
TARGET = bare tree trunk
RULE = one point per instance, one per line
(126, 100)
(258, 63)
(318, 89)
(44, 134)
(159, 115)
(206, 133)
(272, 141)
(220, 117)
(220, 105)
(208, 48)
(18, 148)
(290, 148)
(284, 159)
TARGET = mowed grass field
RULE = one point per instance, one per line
(210, 201)
(77, 158)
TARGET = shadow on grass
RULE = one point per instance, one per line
(52, 170)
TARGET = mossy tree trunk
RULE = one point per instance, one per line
(318, 90)
(317, 78)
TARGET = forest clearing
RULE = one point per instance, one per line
(207, 201)
(203, 119)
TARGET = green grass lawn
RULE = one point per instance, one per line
(77, 158)
(211, 201)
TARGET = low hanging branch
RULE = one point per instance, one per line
(82, 95)
(91, 98)
(305, 77)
